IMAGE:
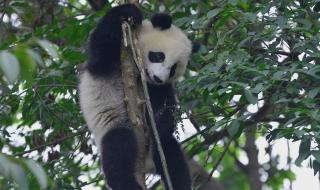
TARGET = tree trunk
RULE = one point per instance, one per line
(253, 166)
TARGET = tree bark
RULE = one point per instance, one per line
(253, 165)
(135, 109)
(134, 99)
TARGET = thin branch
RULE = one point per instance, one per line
(57, 141)
(4, 10)
(194, 122)
(240, 165)
(200, 175)
(263, 50)
(214, 138)
(217, 163)
(207, 29)
(260, 115)
(100, 178)
(289, 163)
(195, 135)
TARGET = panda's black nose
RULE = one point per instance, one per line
(157, 79)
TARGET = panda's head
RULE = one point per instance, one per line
(165, 49)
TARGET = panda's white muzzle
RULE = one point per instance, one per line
(158, 73)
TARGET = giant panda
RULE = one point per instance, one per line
(165, 52)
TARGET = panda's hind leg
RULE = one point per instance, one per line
(176, 162)
(119, 152)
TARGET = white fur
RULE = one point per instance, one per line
(172, 42)
(101, 100)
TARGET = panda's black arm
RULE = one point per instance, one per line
(163, 104)
(105, 41)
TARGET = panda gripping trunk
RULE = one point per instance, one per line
(102, 96)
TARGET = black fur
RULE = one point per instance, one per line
(163, 104)
(156, 57)
(177, 165)
(105, 41)
(173, 70)
(161, 20)
(195, 47)
(119, 150)
(119, 146)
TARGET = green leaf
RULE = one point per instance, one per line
(27, 63)
(252, 99)
(213, 12)
(49, 48)
(278, 75)
(9, 65)
(233, 127)
(304, 151)
(35, 56)
(12, 170)
(182, 21)
(233, 2)
(316, 154)
(250, 17)
(316, 8)
(316, 166)
(38, 172)
(313, 93)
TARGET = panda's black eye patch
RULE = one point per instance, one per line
(173, 70)
(156, 57)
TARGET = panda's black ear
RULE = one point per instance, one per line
(195, 47)
(161, 20)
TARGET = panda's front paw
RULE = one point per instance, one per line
(131, 14)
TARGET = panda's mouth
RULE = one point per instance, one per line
(149, 79)
(173, 70)
(154, 79)
(148, 75)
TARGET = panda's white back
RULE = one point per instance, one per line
(101, 100)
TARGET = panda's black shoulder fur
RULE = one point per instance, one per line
(105, 40)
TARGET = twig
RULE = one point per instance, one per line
(53, 142)
(289, 163)
(217, 163)
(98, 179)
(195, 135)
(207, 29)
(240, 165)
(266, 50)
(4, 10)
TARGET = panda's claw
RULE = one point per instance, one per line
(131, 14)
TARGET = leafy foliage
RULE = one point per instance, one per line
(255, 54)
